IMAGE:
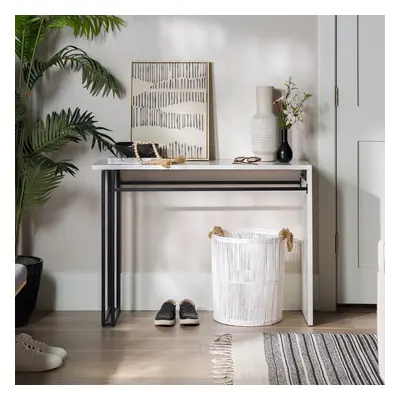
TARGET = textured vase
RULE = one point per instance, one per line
(264, 126)
(284, 153)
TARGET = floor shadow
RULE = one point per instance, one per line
(342, 313)
(37, 316)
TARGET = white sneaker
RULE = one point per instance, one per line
(31, 359)
(29, 340)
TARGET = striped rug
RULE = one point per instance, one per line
(296, 359)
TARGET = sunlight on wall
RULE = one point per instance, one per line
(245, 51)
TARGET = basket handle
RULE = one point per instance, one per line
(217, 230)
(285, 234)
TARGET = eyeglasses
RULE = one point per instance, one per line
(246, 160)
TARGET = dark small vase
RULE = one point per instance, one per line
(284, 153)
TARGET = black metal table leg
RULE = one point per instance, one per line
(111, 246)
(103, 248)
(110, 264)
(118, 227)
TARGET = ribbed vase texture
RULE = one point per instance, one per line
(264, 126)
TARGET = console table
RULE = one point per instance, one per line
(112, 186)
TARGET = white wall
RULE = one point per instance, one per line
(166, 233)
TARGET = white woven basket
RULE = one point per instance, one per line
(248, 272)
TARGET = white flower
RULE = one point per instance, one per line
(291, 104)
(300, 115)
(290, 118)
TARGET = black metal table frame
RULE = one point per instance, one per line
(111, 188)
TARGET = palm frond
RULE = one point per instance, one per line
(95, 77)
(88, 26)
(41, 180)
(20, 117)
(50, 134)
(29, 31)
(36, 174)
(62, 168)
(20, 109)
(59, 129)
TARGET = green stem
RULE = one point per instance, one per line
(300, 105)
(31, 62)
(22, 139)
(17, 229)
(288, 92)
(22, 63)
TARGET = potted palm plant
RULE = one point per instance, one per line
(37, 172)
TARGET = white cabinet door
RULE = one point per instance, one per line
(360, 155)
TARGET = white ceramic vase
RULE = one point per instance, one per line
(264, 126)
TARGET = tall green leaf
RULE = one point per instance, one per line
(88, 26)
(63, 167)
(20, 109)
(59, 129)
(28, 33)
(36, 174)
(95, 77)
(41, 181)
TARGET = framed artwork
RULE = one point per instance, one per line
(170, 106)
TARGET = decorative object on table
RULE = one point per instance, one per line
(170, 106)
(264, 126)
(188, 315)
(165, 162)
(248, 264)
(284, 153)
(280, 358)
(246, 160)
(290, 110)
(145, 150)
(37, 174)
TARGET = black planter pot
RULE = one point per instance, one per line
(26, 299)
(284, 153)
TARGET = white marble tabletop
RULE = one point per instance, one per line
(131, 164)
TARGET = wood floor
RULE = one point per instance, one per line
(137, 352)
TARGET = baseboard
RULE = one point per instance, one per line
(81, 291)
